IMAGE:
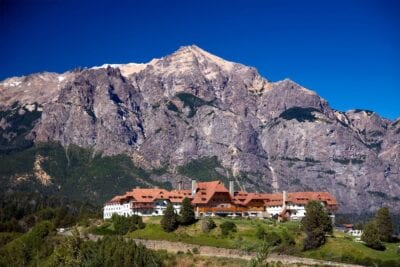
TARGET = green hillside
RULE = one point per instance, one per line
(76, 173)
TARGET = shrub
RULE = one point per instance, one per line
(260, 233)
(272, 238)
(207, 224)
(195, 250)
(287, 238)
(227, 228)
(123, 225)
(116, 251)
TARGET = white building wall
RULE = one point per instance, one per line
(274, 210)
(297, 211)
(355, 232)
(125, 209)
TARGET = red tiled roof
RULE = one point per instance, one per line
(244, 198)
(301, 198)
(115, 199)
(148, 195)
(205, 191)
(177, 196)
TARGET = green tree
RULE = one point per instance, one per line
(371, 236)
(384, 224)
(187, 216)
(316, 225)
(68, 253)
(169, 221)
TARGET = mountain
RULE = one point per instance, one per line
(193, 114)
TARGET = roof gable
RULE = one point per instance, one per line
(206, 190)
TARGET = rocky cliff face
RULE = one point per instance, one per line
(191, 105)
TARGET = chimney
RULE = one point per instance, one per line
(284, 198)
(193, 187)
(231, 187)
(180, 185)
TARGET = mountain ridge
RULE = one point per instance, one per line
(192, 105)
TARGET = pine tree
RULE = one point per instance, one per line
(169, 221)
(316, 225)
(187, 216)
(384, 224)
(371, 236)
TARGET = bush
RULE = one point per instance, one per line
(260, 233)
(287, 238)
(207, 224)
(123, 225)
(109, 251)
(227, 228)
(272, 239)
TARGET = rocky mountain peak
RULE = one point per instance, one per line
(195, 55)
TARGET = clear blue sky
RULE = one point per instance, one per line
(347, 51)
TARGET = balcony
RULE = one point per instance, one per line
(142, 206)
(222, 209)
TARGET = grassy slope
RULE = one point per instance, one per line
(343, 248)
(245, 237)
(340, 248)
